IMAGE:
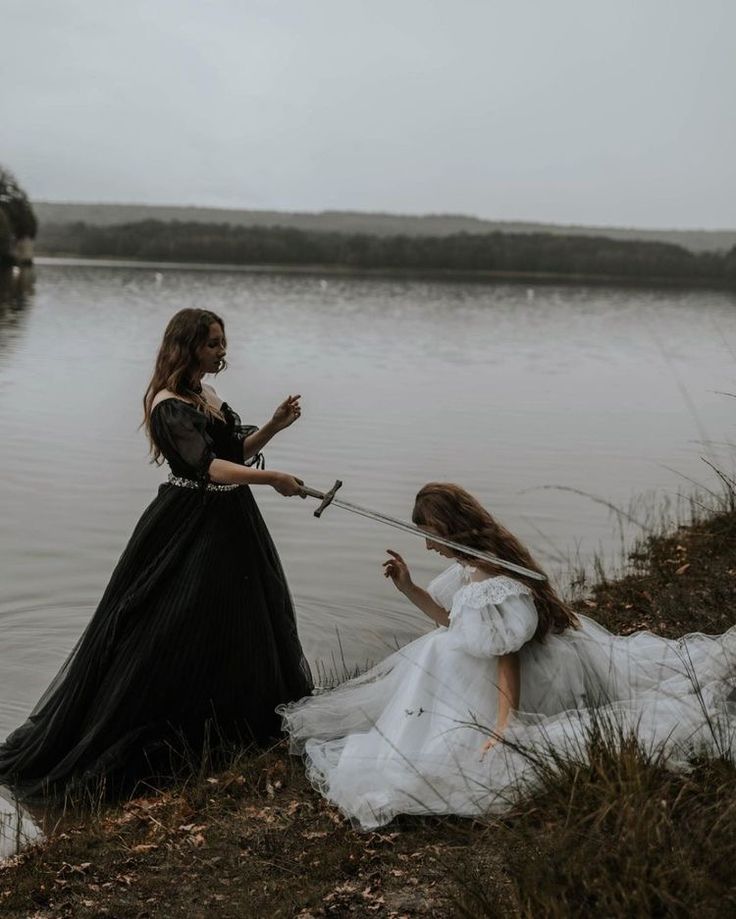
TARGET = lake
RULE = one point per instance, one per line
(534, 399)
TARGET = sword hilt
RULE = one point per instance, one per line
(324, 497)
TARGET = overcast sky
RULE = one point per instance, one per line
(618, 112)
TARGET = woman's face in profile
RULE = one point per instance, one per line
(433, 546)
(211, 354)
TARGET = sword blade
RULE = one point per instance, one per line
(410, 528)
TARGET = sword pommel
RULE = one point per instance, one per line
(327, 498)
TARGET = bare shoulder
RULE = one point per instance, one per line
(162, 395)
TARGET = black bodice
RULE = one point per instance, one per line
(190, 439)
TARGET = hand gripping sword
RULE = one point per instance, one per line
(327, 498)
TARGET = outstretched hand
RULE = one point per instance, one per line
(287, 413)
(397, 569)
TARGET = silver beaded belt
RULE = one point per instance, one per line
(191, 483)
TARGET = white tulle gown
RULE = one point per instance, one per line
(406, 736)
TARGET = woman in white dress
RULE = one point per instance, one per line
(464, 719)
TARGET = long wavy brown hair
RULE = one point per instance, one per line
(177, 364)
(455, 514)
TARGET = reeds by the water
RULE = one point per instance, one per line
(615, 835)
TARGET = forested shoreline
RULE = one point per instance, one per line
(503, 253)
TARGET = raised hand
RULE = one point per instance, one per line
(397, 569)
(287, 413)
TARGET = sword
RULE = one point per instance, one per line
(327, 498)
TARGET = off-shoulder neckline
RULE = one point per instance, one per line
(184, 402)
(496, 580)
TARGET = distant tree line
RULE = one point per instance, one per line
(493, 252)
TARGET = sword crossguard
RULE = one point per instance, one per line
(324, 497)
(327, 498)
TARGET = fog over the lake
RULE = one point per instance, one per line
(606, 113)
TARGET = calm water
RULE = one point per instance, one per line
(505, 390)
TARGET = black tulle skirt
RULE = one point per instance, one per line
(191, 648)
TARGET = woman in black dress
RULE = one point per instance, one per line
(194, 642)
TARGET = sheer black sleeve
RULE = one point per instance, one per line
(180, 432)
(240, 431)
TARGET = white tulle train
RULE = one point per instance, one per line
(406, 736)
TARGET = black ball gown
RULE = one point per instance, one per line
(192, 646)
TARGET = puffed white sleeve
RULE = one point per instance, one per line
(444, 587)
(492, 617)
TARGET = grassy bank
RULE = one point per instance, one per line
(619, 836)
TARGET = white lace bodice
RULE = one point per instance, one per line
(491, 590)
(487, 618)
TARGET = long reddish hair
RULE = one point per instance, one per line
(455, 514)
(177, 364)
